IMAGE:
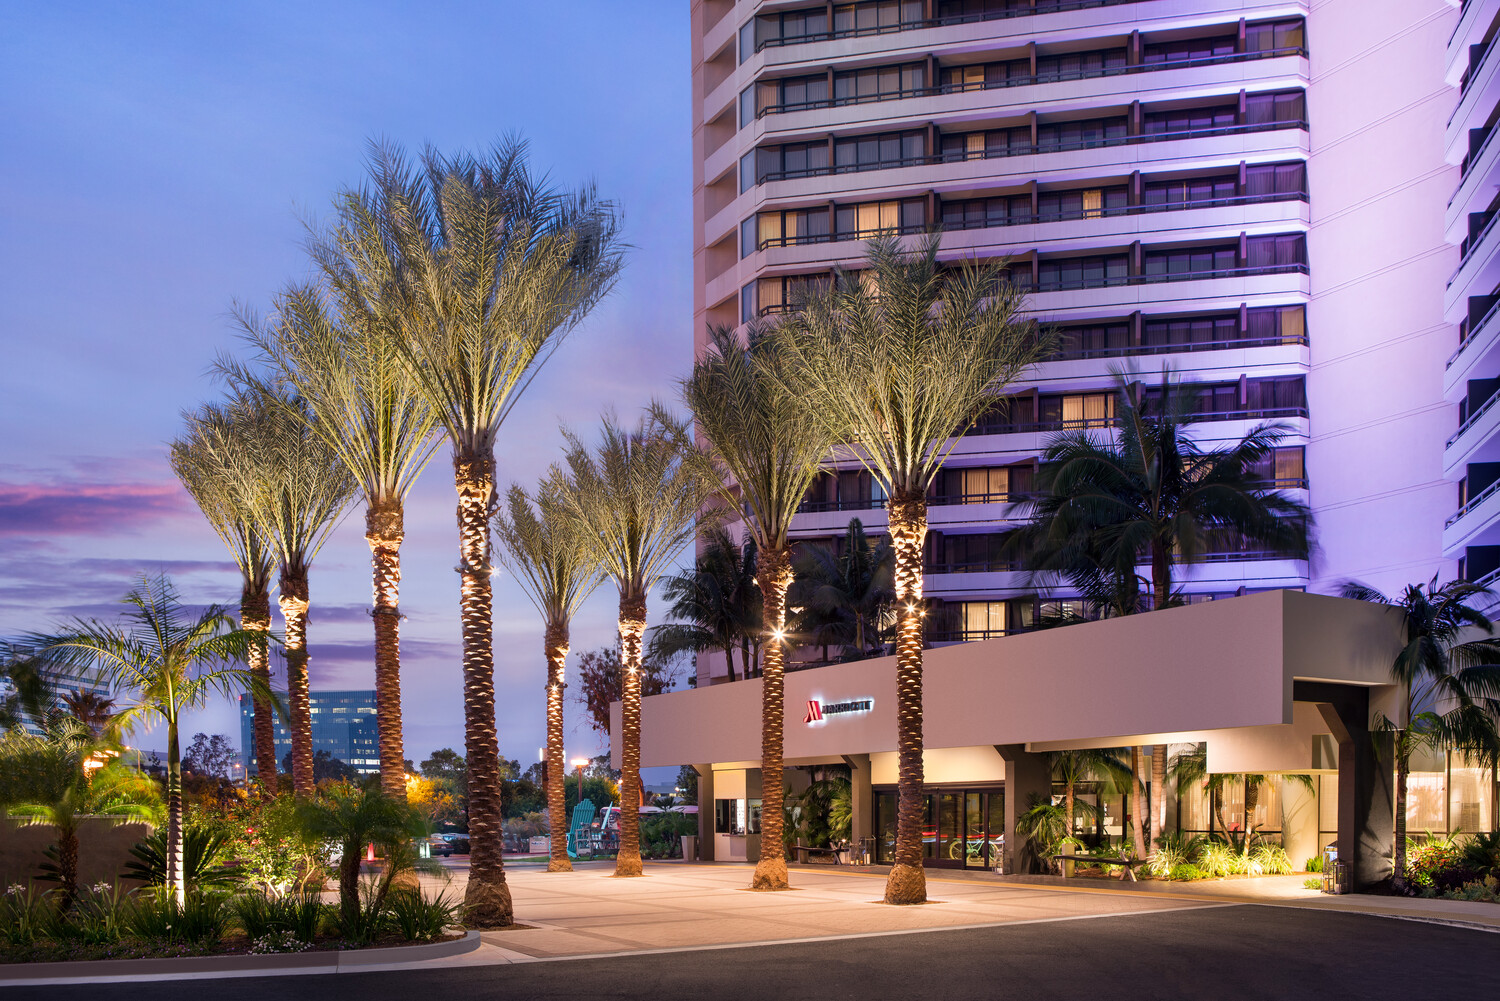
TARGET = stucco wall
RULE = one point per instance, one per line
(103, 849)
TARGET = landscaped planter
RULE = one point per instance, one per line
(327, 961)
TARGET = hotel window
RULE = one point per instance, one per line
(789, 26)
(879, 83)
(789, 94)
(1189, 119)
(1276, 179)
(977, 213)
(1087, 203)
(1187, 330)
(981, 553)
(1081, 272)
(1188, 189)
(1286, 393)
(748, 178)
(1078, 65)
(791, 160)
(1188, 48)
(1193, 261)
(1276, 251)
(1078, 410)
(976, 9)
(986, 484)
(1271, 36)
(881, 15)
(1285, 467)
(747, 303)
(859, 222)
(978, 145)
(1269, 323)
(980, 76)
(781, 294)
(1286, 106)
(784, 229)
(981, 619)
(892, 149)
(1093, 338)
(1082, 134)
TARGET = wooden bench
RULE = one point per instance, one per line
(808, 852)
(1130, 865)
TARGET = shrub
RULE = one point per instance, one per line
(1482, 852)
(1437, 865)
(418, 919)
(204, 859)
(1312, 883)
(1184, 872)
(1272, 859)
(1172, 850)
(1314, 864)
(296, 914)
(155, 916)
(96, 918)
(22, 911)
(661, 834)
(1487, 889)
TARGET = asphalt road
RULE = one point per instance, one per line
(1220, 953)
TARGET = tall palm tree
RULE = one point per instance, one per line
(556, 564)
(492, 267)
(165, 663)
(214, 460)
(893, 362)
(338, 351)
(761, 437)
(298, 492)
(715, 605)
(1449, 686)
(1103, 764)
(638, 496)
(846, 597)
(1150, 493)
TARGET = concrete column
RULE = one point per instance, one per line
(705, 812)
(1366, 779)
(752, 792)
(861, 798)
(1027, 775)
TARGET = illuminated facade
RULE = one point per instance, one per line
(343, 724)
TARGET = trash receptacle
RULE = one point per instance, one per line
(689, 847)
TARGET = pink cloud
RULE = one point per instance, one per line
(86, 508)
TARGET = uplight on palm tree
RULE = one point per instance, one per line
(162, 662)
(337, 347)
(639, 496)
(893, 363)
(556, 563)
(492, 267)
(760, 434)
(1448, 684)
(215, 459)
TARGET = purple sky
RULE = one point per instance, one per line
(157, 162)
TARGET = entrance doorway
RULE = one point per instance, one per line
(961, 828)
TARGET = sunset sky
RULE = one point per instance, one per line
(158, 163)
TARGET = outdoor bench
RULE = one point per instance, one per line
(809, 852)
(1130, 865)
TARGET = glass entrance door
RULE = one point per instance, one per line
(961, 828)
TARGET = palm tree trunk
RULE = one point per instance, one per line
(1403, 769)
(349, 882)
(632, 628)
(1161, 574)
(1069, 804)
(1252, 799)
(384, 532)
(1158, 790)
(729, 659)
(487, 900)
(294, 616)
(908, 527)
(557, 775)
(67, 865)
(255, 617)
(1137, 801)
(775, 576)
(176, 884)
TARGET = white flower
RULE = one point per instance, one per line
(15, 890)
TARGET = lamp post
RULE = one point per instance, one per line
(578, 763)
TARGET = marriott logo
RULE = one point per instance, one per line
(816, 710)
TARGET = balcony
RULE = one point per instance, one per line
(1026, 81)
(1026, 150)
(1477, 523)
(1476, 440)
(1479, 95)
(1001, 426)
(1135, 350)
(1478, 271)
(1478, 357)
(1477, 184)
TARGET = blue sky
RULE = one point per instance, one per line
(158, 163)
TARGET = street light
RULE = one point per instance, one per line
(578, 763)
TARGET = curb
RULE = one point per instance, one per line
(351, 960)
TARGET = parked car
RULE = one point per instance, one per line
(459, 843)
(439, 846)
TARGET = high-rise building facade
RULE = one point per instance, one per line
(1248, 195)
(343, 724)
(1471, 381)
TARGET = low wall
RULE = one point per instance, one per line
(103, 849)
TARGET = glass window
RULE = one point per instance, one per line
(747, 171)
(1276, 251)
(747, 303)
(1189, 119)
(1276, 178)
(1188, 48)
(747, 238)
(1275, 36)
(1285, 107)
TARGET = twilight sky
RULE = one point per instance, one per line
(158, 160)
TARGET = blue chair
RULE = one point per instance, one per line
(583, 816)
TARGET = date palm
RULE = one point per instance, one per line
(492, 267)
(297, 489)
(893, 362)
(212, 460)
(557, 565)
(715, 605)
(638, 496)
(1448, 686)
(336, 346)
(164, 662)
(768, 449)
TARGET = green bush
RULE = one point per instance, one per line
(418, 919)
(1312, 883)
(22, 912)
(297, 914)
(1184, 872)
(1272, 859)
(1487, 889)
(1217, 860)
(155, 916)
(1482, 852)
(1438, 865)
(661, 834)
(96, 917)
(1314, 864)
(204, 859)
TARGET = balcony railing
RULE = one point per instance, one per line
(1130, 350)
(1030, 79)
(1027, 149)
(1474, 331)
(1034, 218)
(862, 504)
(1471, 159)
(933, 500)
(1031, 427)
(1472, 503)
(1042, 7)
(975, 566)
(1472, 419)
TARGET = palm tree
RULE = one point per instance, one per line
(715, 605)
(353, 817)
(166, 663)
(761, 437)
(893, 363)
(1153, 494)
(491, 269)
(1449, 687)
(92, 709)
(638, 496)
(846, 597)
(298, 492)
(555, 563)
(338, 351)
(214, 460)
(63, 774)
(1081, 765)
